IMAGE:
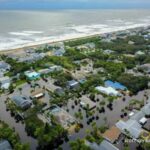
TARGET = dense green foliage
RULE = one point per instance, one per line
(133, 83)
(9, 134)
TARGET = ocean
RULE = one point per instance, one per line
(25, 28)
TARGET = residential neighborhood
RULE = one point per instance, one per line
(90, 92)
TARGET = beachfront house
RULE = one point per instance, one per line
(108, 91)
(5, 82)
(21, 101)
(4, 67)
(5, 145)
(32, 75)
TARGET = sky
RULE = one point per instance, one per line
(73, 4)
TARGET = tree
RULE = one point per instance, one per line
(79, 144)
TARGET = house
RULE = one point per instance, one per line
(50, 69)
(72, 84)
(139, 53)
(61, 116)
(59, 92)
(32, 75)
(108, 91)
(146, 110)
(21, 101)
(5, 82)
(44, 71)
(31, 57)
(112, 134)
(115, 85)
(131, 128)
(131, 42)
(37, 94)
(55, 68)
(104, 145)
(86, 46)
(145, 68)
(5, 145)
(86, 103)
(108, 51)
(139, 117)
(4, 66)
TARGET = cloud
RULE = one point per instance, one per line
(74, 4)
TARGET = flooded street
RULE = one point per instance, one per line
(112, 116)
(19, 127)
(109, 117)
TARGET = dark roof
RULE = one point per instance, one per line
(21, 101)
(5, 145)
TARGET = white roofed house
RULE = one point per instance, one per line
(130, 128)
(5, 82)
(72, 84)
(4, 67)
(108, 91)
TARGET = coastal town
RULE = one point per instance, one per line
(91, 93)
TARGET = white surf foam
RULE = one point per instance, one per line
(77, 32)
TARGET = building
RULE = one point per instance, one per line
(72, 84)
(112, 134)
(108, 91)
(4, 66)
(108, 51)
(32, 75)
(86, 103)
(50, 69)
(21, 101)
(59, 92)
(146, 110)
(115, 85)
(104, 145)
(139, 53)
(31, 57)
(5, 82)
(5, 145)
(145, 68)
(131, 128)
(131, 42)
(55, 68)
(37, 94)
(61, 116)
(139, 117)
(86, 46)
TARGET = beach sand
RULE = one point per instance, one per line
(64, 39)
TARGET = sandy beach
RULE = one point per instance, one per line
(66, 38)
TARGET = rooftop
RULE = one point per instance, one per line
(86, 102)
(115, 85)
(132, 126)
(112, 134)
(5, 145)
(105, 145)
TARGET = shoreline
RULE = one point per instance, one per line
(65, 39)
